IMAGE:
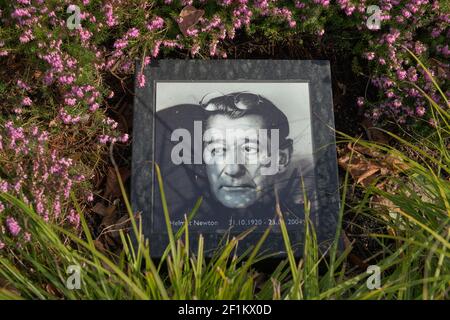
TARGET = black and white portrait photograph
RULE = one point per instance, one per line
(241, 146)
(249, 141)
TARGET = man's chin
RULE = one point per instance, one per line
(236, 202)
(238, 206)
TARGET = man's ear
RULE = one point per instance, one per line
(285, 156)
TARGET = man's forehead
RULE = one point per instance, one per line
(250, 135)
(223, 122)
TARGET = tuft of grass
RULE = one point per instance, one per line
(414, 258)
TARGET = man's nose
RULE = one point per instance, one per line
(234, 170)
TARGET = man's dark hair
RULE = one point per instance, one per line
(239, 104)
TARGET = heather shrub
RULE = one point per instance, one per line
(73, 62)
(61, 83)
(58, 77)
(39, 176)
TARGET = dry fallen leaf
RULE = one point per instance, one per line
(112, 183)
(360, 169)
(189, 16)
(51, 289)
(367, 177)
(99, 246)
(122, 224)
(37, 74)
(366, 164)
(353, 258)
(109, 214)
(374, 133)
(364, 150)
(395, 162)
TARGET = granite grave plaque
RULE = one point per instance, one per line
(244, 135)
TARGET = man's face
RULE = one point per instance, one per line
(236, 160)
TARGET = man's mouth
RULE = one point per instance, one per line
(237, 187)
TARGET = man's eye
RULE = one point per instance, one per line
(249, 149)
(218, 151)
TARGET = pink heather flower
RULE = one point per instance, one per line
(393, 36)
(436, 32)
(370, 55)
(66, 79)
(103, 139)
(401, 74)
(94, 107)
(2, 245)
(67, 118)
(432, 122)
(133, 33)
(3, 186)
(385, 17)
(406, 13)
(23, 85)
(70, 101)
(124, 138)
(120, 44)
(349, 10)
(27, 36)
(419, 48)
(420, 111)
(213, 48)
(27, 237)
(157, 46)
(298, 4)
(360, 101)
(172, 44)
(412, 74)
(445, 51)
(74, 218)
(387, 83)
(19, 13)
(397, 103)
(156, 24)
(195, 49)
(85, 35)
(141, 80)
(110, 122)
(324, 3)
(413, 92)
(26, 101)
(192, 32)
(382, 61)
(57, 208)
(111, 20)
(13, 226)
